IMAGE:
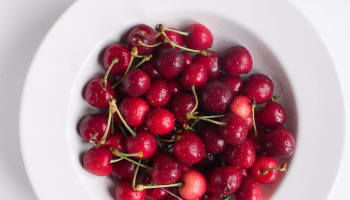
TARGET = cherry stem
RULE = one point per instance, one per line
(282, 167)
(173, 139)
(116, 60)
(112, 125)
(122, 129)
(208, 120)
(110, 113)
(193, 87)
(147, 45)
(253, 117)
(116, 160)
(135, 175)
(139, 154)
(141, 187)
(144, 59)
(176, 31)
(194, 123)
(117, 153)
(171, 194)
(274, 98)
(228, 197)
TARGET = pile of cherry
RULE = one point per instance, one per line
(178, 122)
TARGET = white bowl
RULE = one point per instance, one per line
(282, 43)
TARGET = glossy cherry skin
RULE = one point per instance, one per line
(158, 94)
(174, 87)
(211, 63)
(235, 130)
(237, 60)
(166, 170)
(160, 121)
(189, 149)
(116, 141)
(225, 180)
(194, 185)
(258, 87)
(241, 155)
(194, 74)
(96, 95)
(174, 37)
(241, 106)
(234, 82)
(262, 163)
(170, 63)
(188, 58)
(215, 96)
(249, 190)
(181, 105)
(212, 140)
(144, 142)
(156, 194)
(151, 70)
(124, 191)
(143, 33)
(124, 170)
(199, 37)
(120, 52)
(134, 110)
(93, 127)
(97, 161)
(136, 83)
(271, 116)
(280, 143)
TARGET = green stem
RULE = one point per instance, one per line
(208, 120)
(196, 99)
(253, 117)
(117, 153)
(148, 45)
(176, 31)
(116, 160)
(282, 167)
(116, 60)
(133, 55)
(171, 194)
(228, 197)
(211, 116)
(139, 154)
(135, 174)
(194, 123)
(141, 187)
(124, 122)
(103, 139)
(144, 59)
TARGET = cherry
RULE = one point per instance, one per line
(173, 36)
(124, 170)
(225, 180)
(271, 116)
(160, 121)
(166, 170)
(249, 190)
(235, 130)
(98, 161)
(93, 127)
(156, 194)
(237, 60)
(194, 185)
(174, 87)
(96, 95)
(124, 191)
(134, 110)
(260, 170)
(210, 62)
(234, 82)
(212, 140)
(258, 87)
(151, 71)
(144, 142)
(170, 63)
(142, 34)
(215, 96)
(158, 93)
(241, 106)
(257, 142)
(189, 149)
(116, 141)
(213, 197)
(194, 75)
(136, 82)
(120, 52)
(199, 37)
(241, 155)
(280, 143)
(188, 58)
(181, 105)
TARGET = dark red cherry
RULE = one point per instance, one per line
(241, 106)
(280, 143)
(170, 63)
(213, 197)
(142, 127)
(199, 37)
(151, 70)
(156, 194)
(142, 33)
(258, 87)
(258, 141)
(124, 170)
(124, 191)
(120, 52)
(96, 95)
(263, 163)
(249, 190)
(194, 74)
(158, 93)
(93, 127)
(234, 82)
(166, 170)
(116, 141)
(181, 105)
(237, 60)
(235, 130)
(134, 110)
(225, 180)
(241, 155)
(173, 37)
(98, 161)
(215, 96)
(160, 121)
(189, 149)
(194, 185)
(210, 62)
(271, 116)
(144, 142)
(174, 87)
(212, 140)
(136, 82)
(188, 58)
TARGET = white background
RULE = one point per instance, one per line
(23, 25)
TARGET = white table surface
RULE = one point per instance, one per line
(24, 24)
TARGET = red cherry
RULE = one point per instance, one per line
(166, 170)
(194, 185)
(234, 82)
(116, 141)
(188, 58)
(237, 60)
(189, 149)
(134, 110)
(210, 62)
(142, 127)
(120, 52)
(280, 143)
(96, 95)
(173, 36)
(93, 127)
(124, 170)
(98, 161)
(144, 142)
(225, 180)
(249, 190)
(271, 116)
(258, 170)
(195, 74)
(212, 140)
(181, 105)
(241, 106)
(136, 82)
(170, 63)
(174, 87)
(199, 37)
(215, 96)
(160, 121)
(151, 71)
(235, 130)
(242, 155)
(257, 142)
(124, 191)
(158, 93)
(258, 87)
(156, 194)
(142, 33)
